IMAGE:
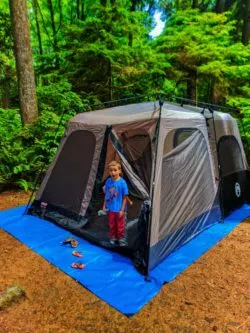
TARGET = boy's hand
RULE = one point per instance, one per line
(121, 213)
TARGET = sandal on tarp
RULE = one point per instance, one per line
(71, 241)
(77, 254)
(78, 265)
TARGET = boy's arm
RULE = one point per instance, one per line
(124, 198)
(129, 201)
(104, 204)
(124, 201)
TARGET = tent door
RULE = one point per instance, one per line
(233, 175)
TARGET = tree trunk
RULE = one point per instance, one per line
(215, 93)
(60, 15)
(220, 6)
(246, 22)
(6, 88)
(133, 5)
(23, 56)
(110, 80)
(53, 25)
(82, 11)
(130, 35)
(191, 86)
(38, 31)
(104, 3)
(229, 4)
(78, 9)
(195, 4)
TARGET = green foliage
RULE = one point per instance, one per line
(8, 86)
(25, 151)
(103, 52)
(110, 54)
(243, 104)
(57, 96)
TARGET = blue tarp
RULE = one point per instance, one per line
(109, 275)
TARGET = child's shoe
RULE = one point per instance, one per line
(113, 241)
(123, 242)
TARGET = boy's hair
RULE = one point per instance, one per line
(115, 163)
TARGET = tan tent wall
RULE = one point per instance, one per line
(174, 120)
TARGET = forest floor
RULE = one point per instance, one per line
(212, 295)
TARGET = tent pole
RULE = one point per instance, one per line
(157, 131)
(218, 161)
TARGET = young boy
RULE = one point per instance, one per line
(116, 192)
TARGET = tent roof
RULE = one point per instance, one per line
(140, 111)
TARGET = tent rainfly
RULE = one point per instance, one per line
(185, 167)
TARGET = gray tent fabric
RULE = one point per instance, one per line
(134, 179)
(191, 180)
(186, 193)
(181, 182)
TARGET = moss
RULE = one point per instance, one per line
(11, 295)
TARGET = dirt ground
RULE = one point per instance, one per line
(212, 295)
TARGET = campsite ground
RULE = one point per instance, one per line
(212, 295)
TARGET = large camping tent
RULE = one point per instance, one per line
(185, 167)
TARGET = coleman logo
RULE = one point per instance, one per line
(237, 190)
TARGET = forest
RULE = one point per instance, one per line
(61, 57)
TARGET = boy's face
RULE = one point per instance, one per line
(114, 172)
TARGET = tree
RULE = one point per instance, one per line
(220, 6)
(38, 30)
(196, 46)
(246, 22)
(101, 60)
(23, 56)
(6, 59)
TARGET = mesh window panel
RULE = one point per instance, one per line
(182, 134)
(230, 156)
(69, 177)
(137, 145)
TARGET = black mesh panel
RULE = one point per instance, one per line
(233, 176)
(230, 156)
(69, 177)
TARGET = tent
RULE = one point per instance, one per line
(185, 167)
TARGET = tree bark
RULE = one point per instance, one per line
(246, 22)
(23, 56)
(220, 6)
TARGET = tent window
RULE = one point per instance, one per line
(230, 156)
(137, 146)
(68, 180)
(182, 134)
